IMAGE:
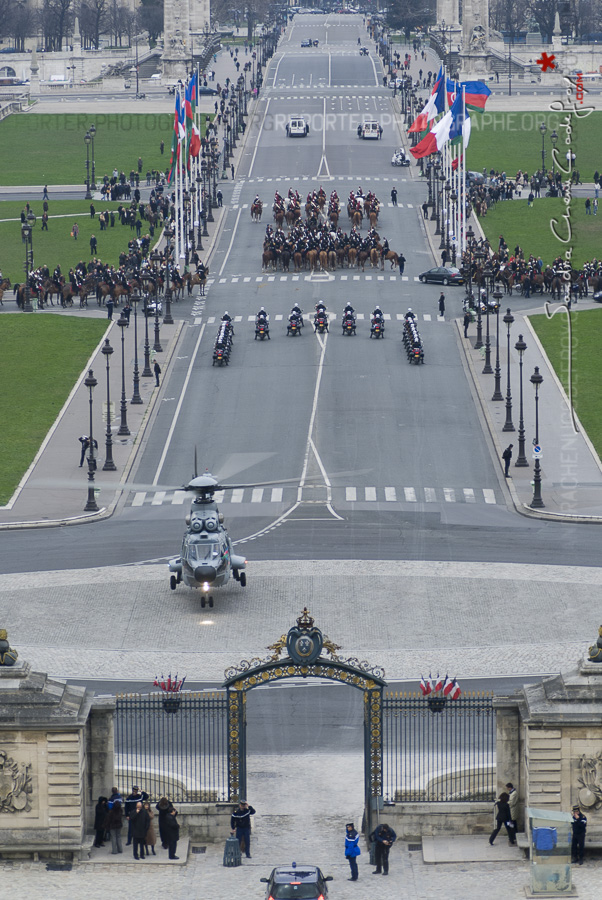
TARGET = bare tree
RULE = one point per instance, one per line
(55, 19)
(407, 14)
(92, 22)
(20, 24)
(150, 19)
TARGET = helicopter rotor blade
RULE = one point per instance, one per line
(196, 466)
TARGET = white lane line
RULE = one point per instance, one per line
(430, 495)
(370, 493)
(237, 494)
(449, 495)
(427, 317)
(257, 495)
(211, 320)
(390, 494)
(469, 496)
(276, 495)
(158, 498)
(247, 279)
(139, 498)
(351, 494)
(178, 498)
(172, 427)
(238, 215)
(258, 142)
(410, 494)
(488, 495)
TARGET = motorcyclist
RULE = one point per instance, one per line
(410, 314)
(349, 313)
(262, 316)
(296, 313)
(320, 308)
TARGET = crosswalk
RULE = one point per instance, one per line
(340, 496)
(389, 204)
(292, 179)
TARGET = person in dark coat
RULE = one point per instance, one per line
(100, 815)
(163, 807)
(503, 817)
(171, 830)
(240, 821)
(579, 826)
(140, 823)
(114, 824)
(467, 321)
(157, 371)
(507, 457)
(442, 304)
(384, 838)
(131, 802)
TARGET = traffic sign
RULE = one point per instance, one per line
(537, 452)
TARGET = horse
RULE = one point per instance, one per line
(279, 218)
(190, 280)
(50, 288)
(256, 210)
(4, 286)
(392, 257)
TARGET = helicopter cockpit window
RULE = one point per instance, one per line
(205, 551)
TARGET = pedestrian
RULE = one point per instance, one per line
(85, 442)
(240, 822)
(425, 210)
(579, 826)
(114, 824)
(92, 210)
(220, 198)
(75, 231)
(588, 207)
(172, 833)
(45, 220)
(157, 371)
(530, 198)
(137, 796)
(140, 821)
(384, 838)
(467, 320)
(162, 147)
(594, 207)
(45, 194)
(394, 196)
(139, 164)
(513, 804)
(402, 263)
(100, 816)
(444, 257)
(232, 171)
(503, 817)
(441, 304)
(93, 245)
(126, 311)
(110, 305)
(163, 807)
(151, 838)
(507, 457)
(352, 849)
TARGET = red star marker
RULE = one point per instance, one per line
(546, 62)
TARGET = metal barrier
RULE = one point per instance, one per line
(438, 750)
(173, 746)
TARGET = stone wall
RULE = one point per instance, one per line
(413, 820)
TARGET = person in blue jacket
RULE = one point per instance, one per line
(352, 849)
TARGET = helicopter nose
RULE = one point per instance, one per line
(205, 573)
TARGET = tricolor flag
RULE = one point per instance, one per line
(195, 142)
(475, 94)
(425, 686)
(190, 97)
(454, 126)
(175, 141)
(452, 690)
(438, 683)
(434, 106)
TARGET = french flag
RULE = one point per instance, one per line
(425, 686)
(434, 106)
(438, 683)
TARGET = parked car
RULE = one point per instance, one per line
(304, 882)
(442, 275)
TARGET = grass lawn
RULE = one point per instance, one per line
(30, 343)
(587, 337)
(56, 245)
(512, 141)
(41, 148)
(531, 228)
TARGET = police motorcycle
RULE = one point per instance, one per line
(399, 158)
(412, 340)
(262, 325)
(377, 325)
(320, 319)
(349, 322)
(295, 322)
(223, 342)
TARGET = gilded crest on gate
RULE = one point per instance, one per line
(304, 641)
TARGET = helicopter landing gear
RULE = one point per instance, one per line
(205, 601)
(173, 582)
(243, 579)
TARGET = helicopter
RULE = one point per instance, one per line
(206, 559)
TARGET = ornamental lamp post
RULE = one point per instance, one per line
(543, 129)
(521, 459)
(123, 428)
(168, 318)
(193, 213)
(454, 198)
(444, 244)
(487, 275)
(199, 237)
(147, 371)
(92, 132)
(27, 236)
(91, 505)
(87, 140)
(537, 502)
(136, 398)
(554, 139)
(109, 465)
(508, 424)
(497, 391)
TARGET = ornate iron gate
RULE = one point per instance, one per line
(174, 746)
(437, 749)
(304, 644)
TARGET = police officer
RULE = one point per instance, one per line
(579, 826)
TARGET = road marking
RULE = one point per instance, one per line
(410, 494)
(237, 495)
(276, 495)
(178, 498)
(351, 494)
(469, 496)
(430, 495)
(370, 493)
(427, 317)
(158, 498)
(226, 257)
(390, 494)
(139, 498)
(257, 495)
(488, 495)
(449, 495)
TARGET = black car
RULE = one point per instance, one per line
(307, 43)
(442, 275)
(297, 882)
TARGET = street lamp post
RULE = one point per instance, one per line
(147, 371)
(508, 424)
(87, 140)
(521, 459)
(136, 398)
(447, 221)
(199, 236)
(109, 465)
(168, 318)
(27, 236)
(487, 275)
(497, 391)
(543, 129)
(554, 138)
(91, 505)
(92, 132)
(123, 428)
(536, 502)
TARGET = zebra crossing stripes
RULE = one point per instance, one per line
(351, 495)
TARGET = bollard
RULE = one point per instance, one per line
(232, 853)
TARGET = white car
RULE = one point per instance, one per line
(369, 130)
(297, 127)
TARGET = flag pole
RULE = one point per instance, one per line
(463, 177)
